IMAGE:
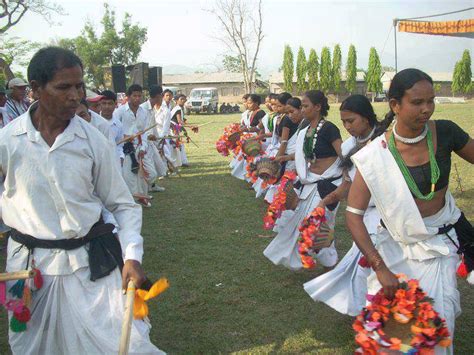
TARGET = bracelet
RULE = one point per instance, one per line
(355, 211)
(284, 142)
(347, 178)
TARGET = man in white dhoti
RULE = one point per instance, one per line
(138, 167)
(161, 167)
(58, 172)
(162, 117)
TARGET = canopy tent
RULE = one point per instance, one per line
(461, 28)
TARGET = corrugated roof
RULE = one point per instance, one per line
(197, 78)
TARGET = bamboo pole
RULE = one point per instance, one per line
(127, 319)
(17, 275)
(137, 134)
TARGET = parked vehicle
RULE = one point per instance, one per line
(380, 97)
(203, 100)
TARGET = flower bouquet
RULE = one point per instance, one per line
(407, 324)
(315, 234)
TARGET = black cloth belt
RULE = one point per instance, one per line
(104, 250)
(129, 149)
(465, 233)
(325, 187)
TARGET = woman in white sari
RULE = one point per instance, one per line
(345, 287)
(318, 147)
(238, 170)
(406, 172)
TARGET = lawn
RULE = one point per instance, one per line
(205, 234)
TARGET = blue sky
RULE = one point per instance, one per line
(181, 32)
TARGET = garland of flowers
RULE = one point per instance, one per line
(276, 208)
(308, 240)
(223, 145)
(20, 304)
(411, 307)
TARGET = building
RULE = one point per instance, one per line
(230, 85)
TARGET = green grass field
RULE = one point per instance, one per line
(205, 234)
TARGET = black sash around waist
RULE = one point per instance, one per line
(465, 233)
(325, 187)
(104, 250)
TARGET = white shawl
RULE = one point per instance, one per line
(397, 206)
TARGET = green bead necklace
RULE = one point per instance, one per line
(406, 173)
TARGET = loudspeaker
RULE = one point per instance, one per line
(119, 83)
(155, 76)
(139, 74)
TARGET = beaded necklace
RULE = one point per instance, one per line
(406, 173)
(310, 140)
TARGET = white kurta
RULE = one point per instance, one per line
(57, 193)
(132, 124)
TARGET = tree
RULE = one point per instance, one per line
(351, 70)
(111, 47)
(242, 33)
(14, 50)
(462, 75)
(313, 69)
(374, 73)
(336, 70)
(232, 64)
(11, 12)
(325, 77)
(301, 70)
(288, 69)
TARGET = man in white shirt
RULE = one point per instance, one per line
(17, 103)
(155, 92)
(58, 172)
(108, 104)
(138, 167)
(162, 115)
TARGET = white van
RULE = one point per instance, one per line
(202, 100)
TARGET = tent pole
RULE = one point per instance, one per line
(395, 21)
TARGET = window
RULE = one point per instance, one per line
(236, 91)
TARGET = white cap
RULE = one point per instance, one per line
(16, 82)
(91, 96)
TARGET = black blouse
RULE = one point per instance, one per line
(450, 138)
(256, 117)
(326, 136)
(288, 123)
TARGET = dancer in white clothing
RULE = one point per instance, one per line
(318, 147)
(406, 171)
(58, 172)
(138, 167)
(345, 287)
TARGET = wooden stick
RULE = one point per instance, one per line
(127, 319)
(17, 275)
(132, 137)
(198, 126)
